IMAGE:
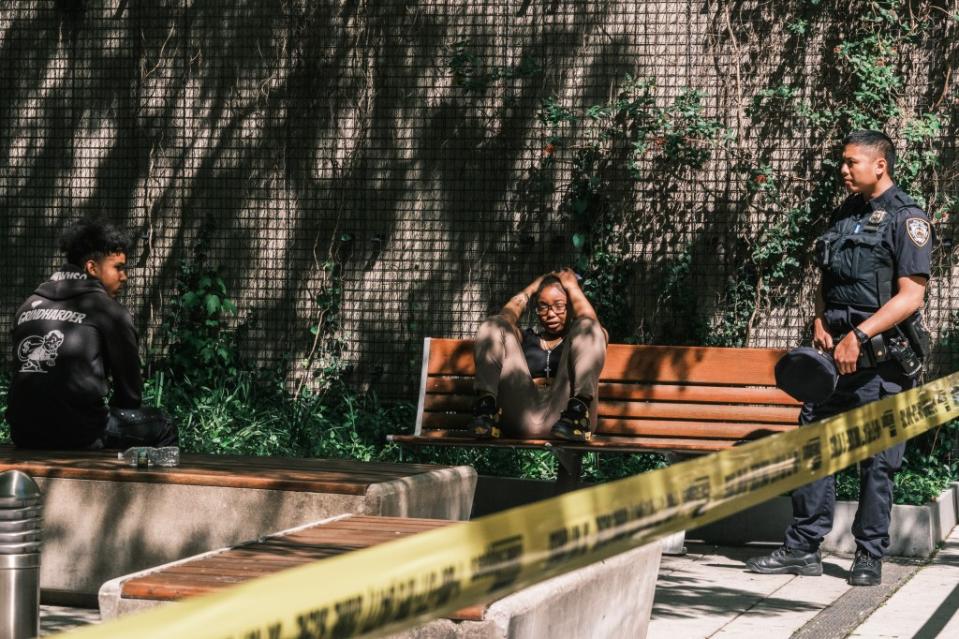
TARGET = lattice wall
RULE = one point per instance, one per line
(290, 134)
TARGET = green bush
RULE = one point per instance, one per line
(930, 464)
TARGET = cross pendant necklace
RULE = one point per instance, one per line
(549, 347)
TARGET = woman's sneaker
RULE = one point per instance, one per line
(573, 423)
(486, 417)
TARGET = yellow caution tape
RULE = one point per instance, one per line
(403, 583)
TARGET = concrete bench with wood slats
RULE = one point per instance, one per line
(576, 604)
(683, 399)
(222, 568)
(103, 519)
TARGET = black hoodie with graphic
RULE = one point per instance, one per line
(70, 339)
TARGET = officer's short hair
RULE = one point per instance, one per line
(878, 142)
(92, 239)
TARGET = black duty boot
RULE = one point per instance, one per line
(785, 560)
(866, 570)
(486, 416)
(573, 423)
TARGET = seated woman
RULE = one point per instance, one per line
(536, 384)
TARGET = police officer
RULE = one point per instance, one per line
(73, 344)
(875, 260)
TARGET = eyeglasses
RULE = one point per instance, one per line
(543, 308)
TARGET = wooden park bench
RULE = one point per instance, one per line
(674, 399)
(103, 519)
(572, 605)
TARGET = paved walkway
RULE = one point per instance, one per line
(709, 594)
(57, 619)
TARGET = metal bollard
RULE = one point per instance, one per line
(20, 542)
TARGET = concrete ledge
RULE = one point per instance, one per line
(97, 530)
(609, 599)
(915, 531)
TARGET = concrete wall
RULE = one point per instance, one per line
(294, 134)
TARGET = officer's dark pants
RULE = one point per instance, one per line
(815, 503)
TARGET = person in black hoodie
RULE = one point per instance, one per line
(73, 343)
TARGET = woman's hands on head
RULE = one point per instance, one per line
(567, 277)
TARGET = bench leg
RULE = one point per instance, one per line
(674, 544)
(570, 469)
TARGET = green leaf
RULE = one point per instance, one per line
(579, 240)
(212, 303)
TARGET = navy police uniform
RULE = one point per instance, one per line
(868, 246)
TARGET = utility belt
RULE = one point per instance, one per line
(907, 344)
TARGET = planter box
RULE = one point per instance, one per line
(915, 531)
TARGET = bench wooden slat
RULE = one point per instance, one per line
(646, 392)
(607, 443)
(699, 412)
(711, 430)
(649, 428)
(440, 422)
(691, 364)
(305, 475)
(688, 364)
(649, 410)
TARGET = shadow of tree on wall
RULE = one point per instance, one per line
(286, 135)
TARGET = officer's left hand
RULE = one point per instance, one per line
(846, 354)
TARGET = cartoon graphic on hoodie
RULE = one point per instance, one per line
(36, 352)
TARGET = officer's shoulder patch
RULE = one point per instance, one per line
(918, 230)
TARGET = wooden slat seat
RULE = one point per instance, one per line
(283, 551)
(231, 471)
(651, 398)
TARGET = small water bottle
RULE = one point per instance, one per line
(165, 456)
(137, 456)
(148, 456)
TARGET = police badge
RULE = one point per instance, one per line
(918, 230)
(877, 216)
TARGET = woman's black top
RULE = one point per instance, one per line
(541, 362)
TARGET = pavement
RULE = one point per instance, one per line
(56, 619)
(708, 593)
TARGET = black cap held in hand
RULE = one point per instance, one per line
(807, 374)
